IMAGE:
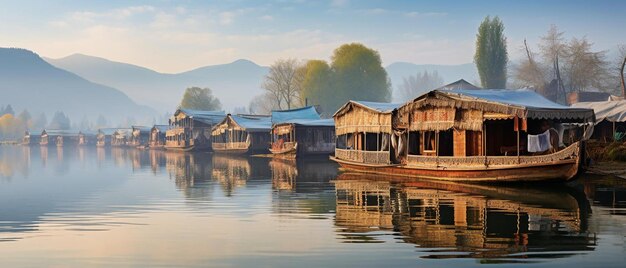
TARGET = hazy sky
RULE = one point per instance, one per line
(174, 36)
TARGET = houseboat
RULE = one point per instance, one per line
(157, 137)
(303, 137)
(31, 138)
(139, 137)
(58, 137)
(190, 130)
(610, 119)
(87, 137)
(301, 132)
(104, 137)
(121, 137)
(465, 135)
(242, 134)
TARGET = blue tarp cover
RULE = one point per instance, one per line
(306, 113)
(253, 124)
(312, 123)
(208, 117)
(60, 132)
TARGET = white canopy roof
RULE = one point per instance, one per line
(612, 111)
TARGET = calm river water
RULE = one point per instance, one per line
(125, 207)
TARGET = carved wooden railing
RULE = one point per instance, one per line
(366, 157)
(571, 152)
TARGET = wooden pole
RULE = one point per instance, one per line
(613, 131)
(518, 158)
(437, 146)
(485, 141)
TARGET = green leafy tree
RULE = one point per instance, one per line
(359, 75)
(317, 85)
(196, 98)
(491, 56)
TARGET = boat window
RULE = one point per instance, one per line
(414, 143)
(429, 141)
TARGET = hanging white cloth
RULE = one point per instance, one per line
(560, 129)
(539, 143)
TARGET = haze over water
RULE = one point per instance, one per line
(126, 207)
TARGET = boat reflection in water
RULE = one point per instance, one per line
(302, 187)
(453, 220)
(191, 172)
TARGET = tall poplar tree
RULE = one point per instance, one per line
(491, 56)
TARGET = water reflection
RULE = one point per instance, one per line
(302, 187)
(247, 211)
(190, 172)
(452, 220)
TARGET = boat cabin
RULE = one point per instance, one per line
(59, 137)
(190, 130)
(121, 137)
(157, 136)
(301, 131)
(139, 136)
(303, 137)
(242, 134)
(363, 131)
(104, 137)
(31, 138)
(87, 137)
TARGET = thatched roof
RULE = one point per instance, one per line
(361, 116)
(521, 103)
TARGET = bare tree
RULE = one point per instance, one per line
(263, 104)
(529, 72)
(283, 83)
(418, 84)
(563, 67)
(583, 68)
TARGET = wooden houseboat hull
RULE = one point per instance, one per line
(233, 151)
(556, 171)
(193, 148)
(290, 152)
(239, 151)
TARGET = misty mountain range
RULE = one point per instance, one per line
(235, 84)
(82, 85)
(29, 82)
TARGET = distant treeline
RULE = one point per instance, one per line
(13, 126)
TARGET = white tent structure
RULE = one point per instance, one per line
(612, 113)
